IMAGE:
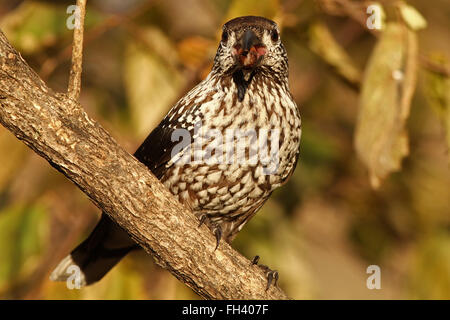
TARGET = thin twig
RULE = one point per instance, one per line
(74, 88)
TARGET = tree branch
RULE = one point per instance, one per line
(57, 128)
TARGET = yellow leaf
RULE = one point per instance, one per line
(381, 139)
(324, 45)
(412, 17)
(430, 268)
(152, 81)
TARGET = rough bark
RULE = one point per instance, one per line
(57, 128)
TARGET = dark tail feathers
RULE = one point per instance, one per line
(94, 257)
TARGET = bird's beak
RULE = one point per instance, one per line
(249, 51)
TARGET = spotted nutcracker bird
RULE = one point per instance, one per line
(247, 91)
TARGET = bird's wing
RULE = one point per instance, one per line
(158, 148)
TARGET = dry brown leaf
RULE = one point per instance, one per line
(194, 51)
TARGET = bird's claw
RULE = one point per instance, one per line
(218, 233)
(216, 228)
(202, 220)
(271, 275)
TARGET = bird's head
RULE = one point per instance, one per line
(248, 43)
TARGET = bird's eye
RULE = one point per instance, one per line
(224, 36)
(274, 35)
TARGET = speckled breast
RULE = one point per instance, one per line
(240, 152)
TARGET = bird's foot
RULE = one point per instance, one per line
(271, 275)
(215, 228)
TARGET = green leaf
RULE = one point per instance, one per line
(35, 25)
(381, 139)
(23, 235)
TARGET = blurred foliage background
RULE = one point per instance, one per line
(372, 185)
